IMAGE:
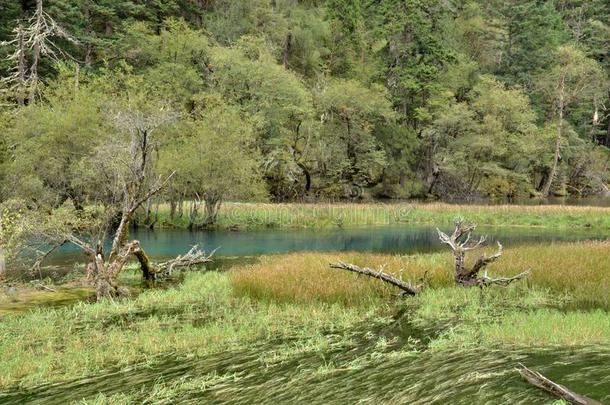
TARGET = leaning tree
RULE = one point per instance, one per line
(138, 184)
(118, 177)
(460, 242)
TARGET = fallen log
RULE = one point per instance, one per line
(560, 391)
(407, 288)
(151, 271)
(194, 257)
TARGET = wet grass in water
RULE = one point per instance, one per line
(291, 329)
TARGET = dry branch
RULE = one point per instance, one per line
(407, 289)
(43, 256)
(504, 281)
(193, 257)
(540, 381)
(460, 243)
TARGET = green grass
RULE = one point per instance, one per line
(258, 215)
(200, 317)
(297, 306)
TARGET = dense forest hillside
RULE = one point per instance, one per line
(303, 99)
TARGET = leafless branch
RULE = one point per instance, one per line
(407, 288)
(194, 257)
(160, 186)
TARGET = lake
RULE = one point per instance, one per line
(404, 239)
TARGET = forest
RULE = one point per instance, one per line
(306, 100)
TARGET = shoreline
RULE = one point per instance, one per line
(244, 216)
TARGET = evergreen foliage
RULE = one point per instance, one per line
(291, 100)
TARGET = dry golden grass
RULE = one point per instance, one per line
(307, 277)
(580, 269)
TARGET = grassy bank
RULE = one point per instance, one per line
(251, 215)
(580, 271)
(289, 308)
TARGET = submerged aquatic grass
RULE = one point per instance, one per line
(549, 326)
(199, 317)
(290, 307)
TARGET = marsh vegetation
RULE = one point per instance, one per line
(291, 317)
(132, 131)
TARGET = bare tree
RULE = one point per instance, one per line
(461, 242)
(126, 180)
(141, 127)
(36, 39)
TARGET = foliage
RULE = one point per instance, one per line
(338, 98)
(214, 158)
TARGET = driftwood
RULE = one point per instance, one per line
(193, 257)
(407, 288)
(460, 243)
(540, 381)
(151, 271)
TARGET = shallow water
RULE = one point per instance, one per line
(406, 239)
(23, 301)
(245, 246)
(402, 372)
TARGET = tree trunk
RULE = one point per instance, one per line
(212, 206)
(460, 243)
(89, 46)
(36, 54)
(148, 210)
(104, 273)
(181, 206)
(307, 176)
(608, 128)
(121, 235)
(149, 270)
(21, 67)
(194, 212)
(553, 172)
(2, 263)
(172, 208)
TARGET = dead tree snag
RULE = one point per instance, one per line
(460, 243)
